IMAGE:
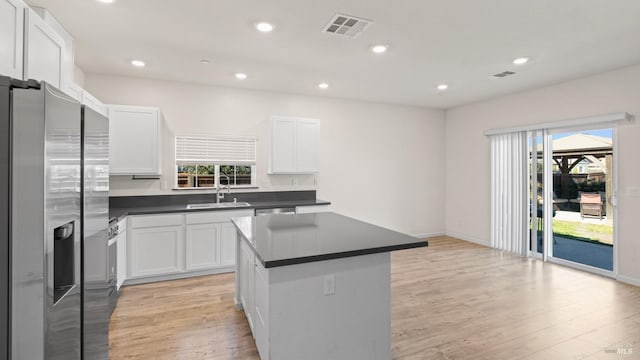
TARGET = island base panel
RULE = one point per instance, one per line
(301, 322)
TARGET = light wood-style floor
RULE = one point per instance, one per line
(452, 300)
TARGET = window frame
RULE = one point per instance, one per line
(216, 178)
(216, 162)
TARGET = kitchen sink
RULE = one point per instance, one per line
(225, 205)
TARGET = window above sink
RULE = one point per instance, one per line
(199, 176)
(204, 162)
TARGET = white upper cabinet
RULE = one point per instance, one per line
(93, 103)
(135, 140)
(11, 37)
(44, 50)
(67, 83)
(307, 145)
(283, 142)
(294, 147)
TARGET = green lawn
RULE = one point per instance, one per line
(578, 230)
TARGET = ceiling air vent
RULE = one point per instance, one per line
(346, 25)
(504, 74)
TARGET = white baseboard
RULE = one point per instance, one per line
(468, 238)
(184, 275)
(628, 280)
(428, 235)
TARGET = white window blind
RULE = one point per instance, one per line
(217, 150)
(509, 192)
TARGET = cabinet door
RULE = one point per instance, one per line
(121, 273)
(66, 72)
(43, 55)
(134, 136)
(155, 251)
(247, 282)
(11, 37)
(283, 158)
(203, 241)
(307, 145)
(261, 312)
(228, 236)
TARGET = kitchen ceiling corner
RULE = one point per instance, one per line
(463, 41)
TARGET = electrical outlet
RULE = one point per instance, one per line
(633, 191)
(329, 284)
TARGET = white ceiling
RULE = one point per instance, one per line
(458, 42)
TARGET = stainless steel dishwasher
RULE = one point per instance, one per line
(285, 210)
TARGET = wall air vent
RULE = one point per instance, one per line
(504, 74)
(346, 25)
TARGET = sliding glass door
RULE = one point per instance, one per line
(572, 197)
(536, 193)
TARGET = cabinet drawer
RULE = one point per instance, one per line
(156, 220)
(202, 217)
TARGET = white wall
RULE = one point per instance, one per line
(78, 76)
(468, 151)
(363, 145)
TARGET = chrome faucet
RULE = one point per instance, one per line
(221, 195)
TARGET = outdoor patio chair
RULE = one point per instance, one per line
(591, 204)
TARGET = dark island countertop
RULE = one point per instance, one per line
(288, 239)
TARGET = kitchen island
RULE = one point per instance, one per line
(317, 286)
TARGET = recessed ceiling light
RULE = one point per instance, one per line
(204, 61)
(520, 61)
(264, 27)
(379, 49)
(138, 63)
(106, 1)
(241, 76)
(323, 86)
(443, 87)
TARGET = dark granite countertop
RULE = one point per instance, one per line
(120, 213)
(288, 239)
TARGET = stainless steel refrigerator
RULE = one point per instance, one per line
(42, 265)
(98, 274)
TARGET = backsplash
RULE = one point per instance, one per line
(162, 200)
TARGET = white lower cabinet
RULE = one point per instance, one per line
(156, 251)
(254, 297)
(202, 246)
(121, 248)
(227, 244)
(170, 246)
(246, 261)
(261, 309)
